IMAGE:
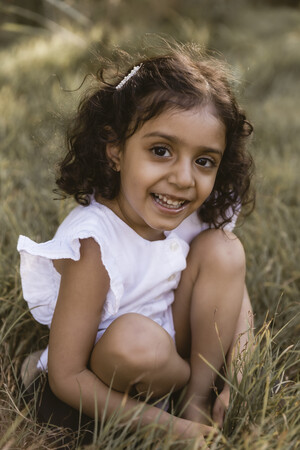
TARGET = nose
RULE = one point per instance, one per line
(182, 175)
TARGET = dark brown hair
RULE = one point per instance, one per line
(183, 78)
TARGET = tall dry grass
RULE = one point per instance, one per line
(262, 44)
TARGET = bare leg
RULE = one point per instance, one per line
(135, 352)
(206, 309)
(242, 341)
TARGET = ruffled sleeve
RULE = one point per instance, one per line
(41, 281)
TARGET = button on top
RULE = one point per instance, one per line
(174, 246)
(171, 277)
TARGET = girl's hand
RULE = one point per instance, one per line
(221, 406)
(186, 429)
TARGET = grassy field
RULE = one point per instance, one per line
(37, 68)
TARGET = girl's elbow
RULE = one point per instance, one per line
(57, 383)
(65, 385)
(60, 383)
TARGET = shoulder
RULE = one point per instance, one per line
(88, 275)
(89, 268)
(83, 220)
(190, 227)
(90, 257)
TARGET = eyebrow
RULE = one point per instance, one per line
(174, 139)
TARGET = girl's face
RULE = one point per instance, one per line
(168, 169)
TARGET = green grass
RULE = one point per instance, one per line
(262, 43)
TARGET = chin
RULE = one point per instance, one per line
(168, 227)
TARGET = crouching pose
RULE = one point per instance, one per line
(143, 284)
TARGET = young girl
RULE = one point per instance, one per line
(143, 284)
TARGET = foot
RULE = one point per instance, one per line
(29, 370)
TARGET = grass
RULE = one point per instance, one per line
(262, 44)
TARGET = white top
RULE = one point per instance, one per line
(143, 274)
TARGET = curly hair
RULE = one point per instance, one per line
(183, 78)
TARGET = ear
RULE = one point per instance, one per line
(113, 153)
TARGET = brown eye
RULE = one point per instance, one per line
(205, 162)
(161, 151)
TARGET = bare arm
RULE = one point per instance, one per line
(83, 290)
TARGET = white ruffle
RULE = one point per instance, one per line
(41, 281)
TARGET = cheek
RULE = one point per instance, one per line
(143, 176)
(205, 188)
(134, 182)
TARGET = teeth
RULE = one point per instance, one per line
(164, 201)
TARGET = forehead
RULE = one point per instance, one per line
(199, 126)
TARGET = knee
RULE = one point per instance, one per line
(147, 345)
(219, 250)
(137, 342)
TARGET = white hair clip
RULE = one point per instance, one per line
(130, 75)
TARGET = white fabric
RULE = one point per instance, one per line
(143, 274)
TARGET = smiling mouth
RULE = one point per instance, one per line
(168, 202)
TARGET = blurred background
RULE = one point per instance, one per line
(48, 46)
(46, 49)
